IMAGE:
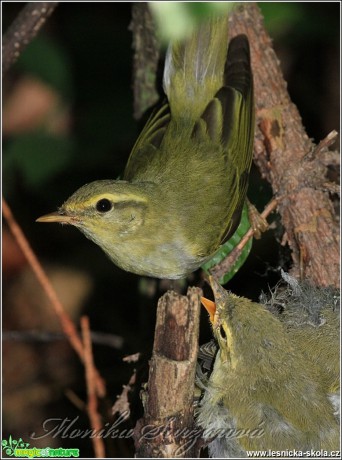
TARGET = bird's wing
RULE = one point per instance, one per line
(148, 142)
(229, 120)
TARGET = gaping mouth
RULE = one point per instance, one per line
(210, 306)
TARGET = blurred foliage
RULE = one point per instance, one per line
(176, 20)
(306, 40)
(296, 20)
(46, 59)
(84, 54)
(28, 153)
(34, 153)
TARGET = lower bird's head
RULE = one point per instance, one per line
(249, 336)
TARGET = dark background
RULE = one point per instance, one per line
(83, 56)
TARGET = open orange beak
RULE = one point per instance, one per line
(210, 306)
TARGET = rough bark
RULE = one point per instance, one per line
(166, 430)
(21, 32)
(290, 161)
(145, 59)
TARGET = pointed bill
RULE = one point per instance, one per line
(56, 217)
(220, 293)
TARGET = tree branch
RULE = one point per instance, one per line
(283, 153)
(145, 60)
(169, 401)
(23, 29)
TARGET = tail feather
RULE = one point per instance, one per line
(194, 69)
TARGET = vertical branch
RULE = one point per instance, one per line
(169, 396)
(145, 60)
(287, 158)
(23, 29)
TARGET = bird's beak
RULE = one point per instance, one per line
(210, 306)
(220, 293)
(57, 217)
(213, 308)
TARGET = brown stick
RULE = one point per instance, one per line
(94, 416)
(223, 267)
(23, 29)
(65, 320)
(145, 60)
(167, 427)
(283, 154)
(122, 405)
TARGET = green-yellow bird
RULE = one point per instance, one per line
(263, 393)
(311, 315)
(186, 179)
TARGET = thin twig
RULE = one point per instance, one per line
(23, 29)
(75, 400)
(94, 416)
(223, 267)
(122, 405)
(132, 358)
(323, 145)
(98, 338)
(65, 320)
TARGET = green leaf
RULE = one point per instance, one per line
(228, 246)
(176, 20)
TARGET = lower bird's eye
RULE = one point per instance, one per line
(104, 205)
(223, 333)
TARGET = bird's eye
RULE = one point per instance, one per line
(223, 333)
(104, 205)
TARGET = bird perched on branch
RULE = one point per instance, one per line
(186, 179)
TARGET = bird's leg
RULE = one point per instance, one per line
(258, 222)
